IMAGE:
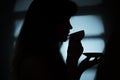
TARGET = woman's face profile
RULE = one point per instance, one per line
(63, 29)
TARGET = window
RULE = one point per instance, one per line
(93, 40)
(94, 31)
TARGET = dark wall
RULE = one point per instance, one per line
(109, 68)
(6, 36)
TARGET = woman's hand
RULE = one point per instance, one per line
(88, 63)
(75, 49)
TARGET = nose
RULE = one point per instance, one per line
(70, 26)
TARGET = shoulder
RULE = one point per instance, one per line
(33, 68)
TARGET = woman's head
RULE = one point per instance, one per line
(51, 18)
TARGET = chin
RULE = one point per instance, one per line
(63, 39)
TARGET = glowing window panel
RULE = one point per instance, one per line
(91, 24)
(93, 45)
